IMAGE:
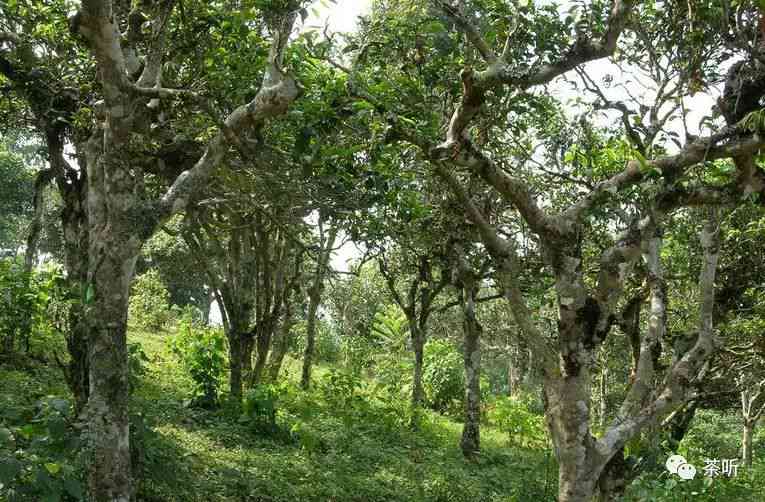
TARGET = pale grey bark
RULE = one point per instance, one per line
(603, 395)
(469, 283)
(585, 316)
(746, 443)
(120, 218)
(752, 409)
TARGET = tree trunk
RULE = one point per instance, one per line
(679, 423)
(77, 370)
(568, 418)
(235, 351)
(418, 346)
(74, 226)
(109, 429)
(613, 480)
(263, 339)
(515, 365)
(471, 438)
(603, 398)
(310, 337)
(248, 346)
(746, 443)
(314, 294)
(281, 344)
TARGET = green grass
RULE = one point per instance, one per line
(200, 455)
(321, 452)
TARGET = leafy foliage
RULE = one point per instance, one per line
(260, 407)
(149, 302)
(202, 352)
(443, 376)
(25, 298)
(513, 416)
(38, 453)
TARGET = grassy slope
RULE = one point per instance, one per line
(195, 455)
(198, 455)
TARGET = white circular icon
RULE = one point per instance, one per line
(674, 462)
(686, 471)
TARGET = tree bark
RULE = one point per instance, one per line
(77, 371)
(471, 435)
(418, 347)
(281, 344)
(112, 261)
(568, 418)
(265, 334)
(746, 442)
(235, 352)
(314, 295)
(603, 395)
(310, 338)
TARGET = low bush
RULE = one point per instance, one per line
(202, 353)
(24, 303)
(39, 453)
(513, 415)
(149, 307)
(444, 377)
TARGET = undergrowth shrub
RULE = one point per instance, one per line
(513, 416)
(137, 360)
(149, 306)
(39, 453)
(202, 352)
(24, 301)
(443, 377)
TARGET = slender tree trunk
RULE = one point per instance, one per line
(248, 347)
(314, 294)
(263, 340)
(471, 436)
(514, 368)
(77, 370)
(281, 344)
(418, 347)
(310, 338)
(746, 442)
(235, 351)
(679, 423)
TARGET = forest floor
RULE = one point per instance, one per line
(322, 449)
(193, 454)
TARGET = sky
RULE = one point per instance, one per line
(341, 14)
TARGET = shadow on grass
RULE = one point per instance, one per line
(193, 454)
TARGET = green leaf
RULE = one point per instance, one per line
(434, 27)
(74, 488)
(5, 436)
(57, 428)
(9, 469)
(53, 468)
(90, 294)
(362, 105)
